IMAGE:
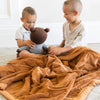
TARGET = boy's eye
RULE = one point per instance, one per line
(66, 14)
(30, 22)
(33, 22)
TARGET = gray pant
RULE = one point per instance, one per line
(37, 49)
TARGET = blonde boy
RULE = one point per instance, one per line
(23, 33)
(73, 30)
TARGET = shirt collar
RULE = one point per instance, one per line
(24, 30)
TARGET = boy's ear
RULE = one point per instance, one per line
(21, 19)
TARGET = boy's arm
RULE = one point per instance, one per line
(19, 38)
(21, 43)
(59, 50)
(62, 43)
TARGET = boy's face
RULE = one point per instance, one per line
(68, 14)
(29, 21)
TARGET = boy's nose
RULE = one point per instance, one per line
(32, 24)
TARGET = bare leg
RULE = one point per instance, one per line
(24, 52)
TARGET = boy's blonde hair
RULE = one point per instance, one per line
(28, 10)
(75, 5)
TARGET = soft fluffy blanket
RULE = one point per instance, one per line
(48, 77)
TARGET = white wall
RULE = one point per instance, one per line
(50, 15)
(48, 11)
(91, 10)
(9, 21)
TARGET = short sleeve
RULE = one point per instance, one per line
(18, 35)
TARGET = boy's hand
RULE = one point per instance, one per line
(58, 50)
(55, 50)
(29, 43)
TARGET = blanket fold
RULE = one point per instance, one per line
(50, 77)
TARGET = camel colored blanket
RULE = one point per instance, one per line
(48, 77)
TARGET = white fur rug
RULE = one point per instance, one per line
(6, 58)
(7, 54)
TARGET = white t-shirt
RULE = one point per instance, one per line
(75, 37)
(22, 33)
